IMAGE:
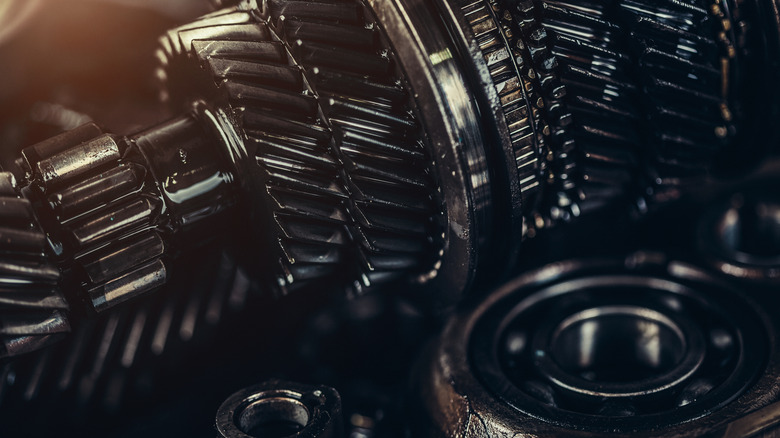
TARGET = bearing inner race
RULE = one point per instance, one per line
(619, 351)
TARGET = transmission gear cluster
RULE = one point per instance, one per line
(314, 184)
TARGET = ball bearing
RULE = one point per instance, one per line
(639, 345)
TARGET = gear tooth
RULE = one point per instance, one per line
(310, 253)
(401, 222)
(397, 262)
(311, 230)
(32, 296)
(390, 196)
(329, 11)
(94, 190)
(512, 87)
(341, 83)
(260, 123)
(332, 131)
(234, 24)
(304, 204)
(35, 324)
(351, 61)
(243, 29)
(269, 51)
(32, 308)
(606, 71)
(305, 151)
(300, 274)
(302, 176)
(394, 175)
(360, 140)
(13, 346)
(277, 76)
(108, 263)
(271, 98)
(362, 111)
(383, 242)
(352, 37)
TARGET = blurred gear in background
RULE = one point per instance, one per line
(378, 162)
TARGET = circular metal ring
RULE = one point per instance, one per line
(618, 351)
(660, 398)
(466, 156)
(281, 409)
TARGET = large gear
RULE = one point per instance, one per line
(330, 123)
(124, 353)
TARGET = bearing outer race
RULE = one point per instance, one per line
(453, 401)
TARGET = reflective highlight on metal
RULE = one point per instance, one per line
(325, 150)
(617, 351)
(740, 236)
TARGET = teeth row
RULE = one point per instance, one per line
(115, 357)
(591, 102)
(32, 309)
(521, 102)
(105, 212)
(686, 62)
(101, 209)
(345, 170)
(622, 80)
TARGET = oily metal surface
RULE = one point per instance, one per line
(160, 366)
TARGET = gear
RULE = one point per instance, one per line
(32, 308)
(125, 353)
(346, 175)
(369, 143)
(89, 195)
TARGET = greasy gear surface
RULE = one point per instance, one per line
(324, 109)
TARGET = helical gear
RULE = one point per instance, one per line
(331, 125)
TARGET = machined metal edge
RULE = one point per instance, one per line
(451, 118)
